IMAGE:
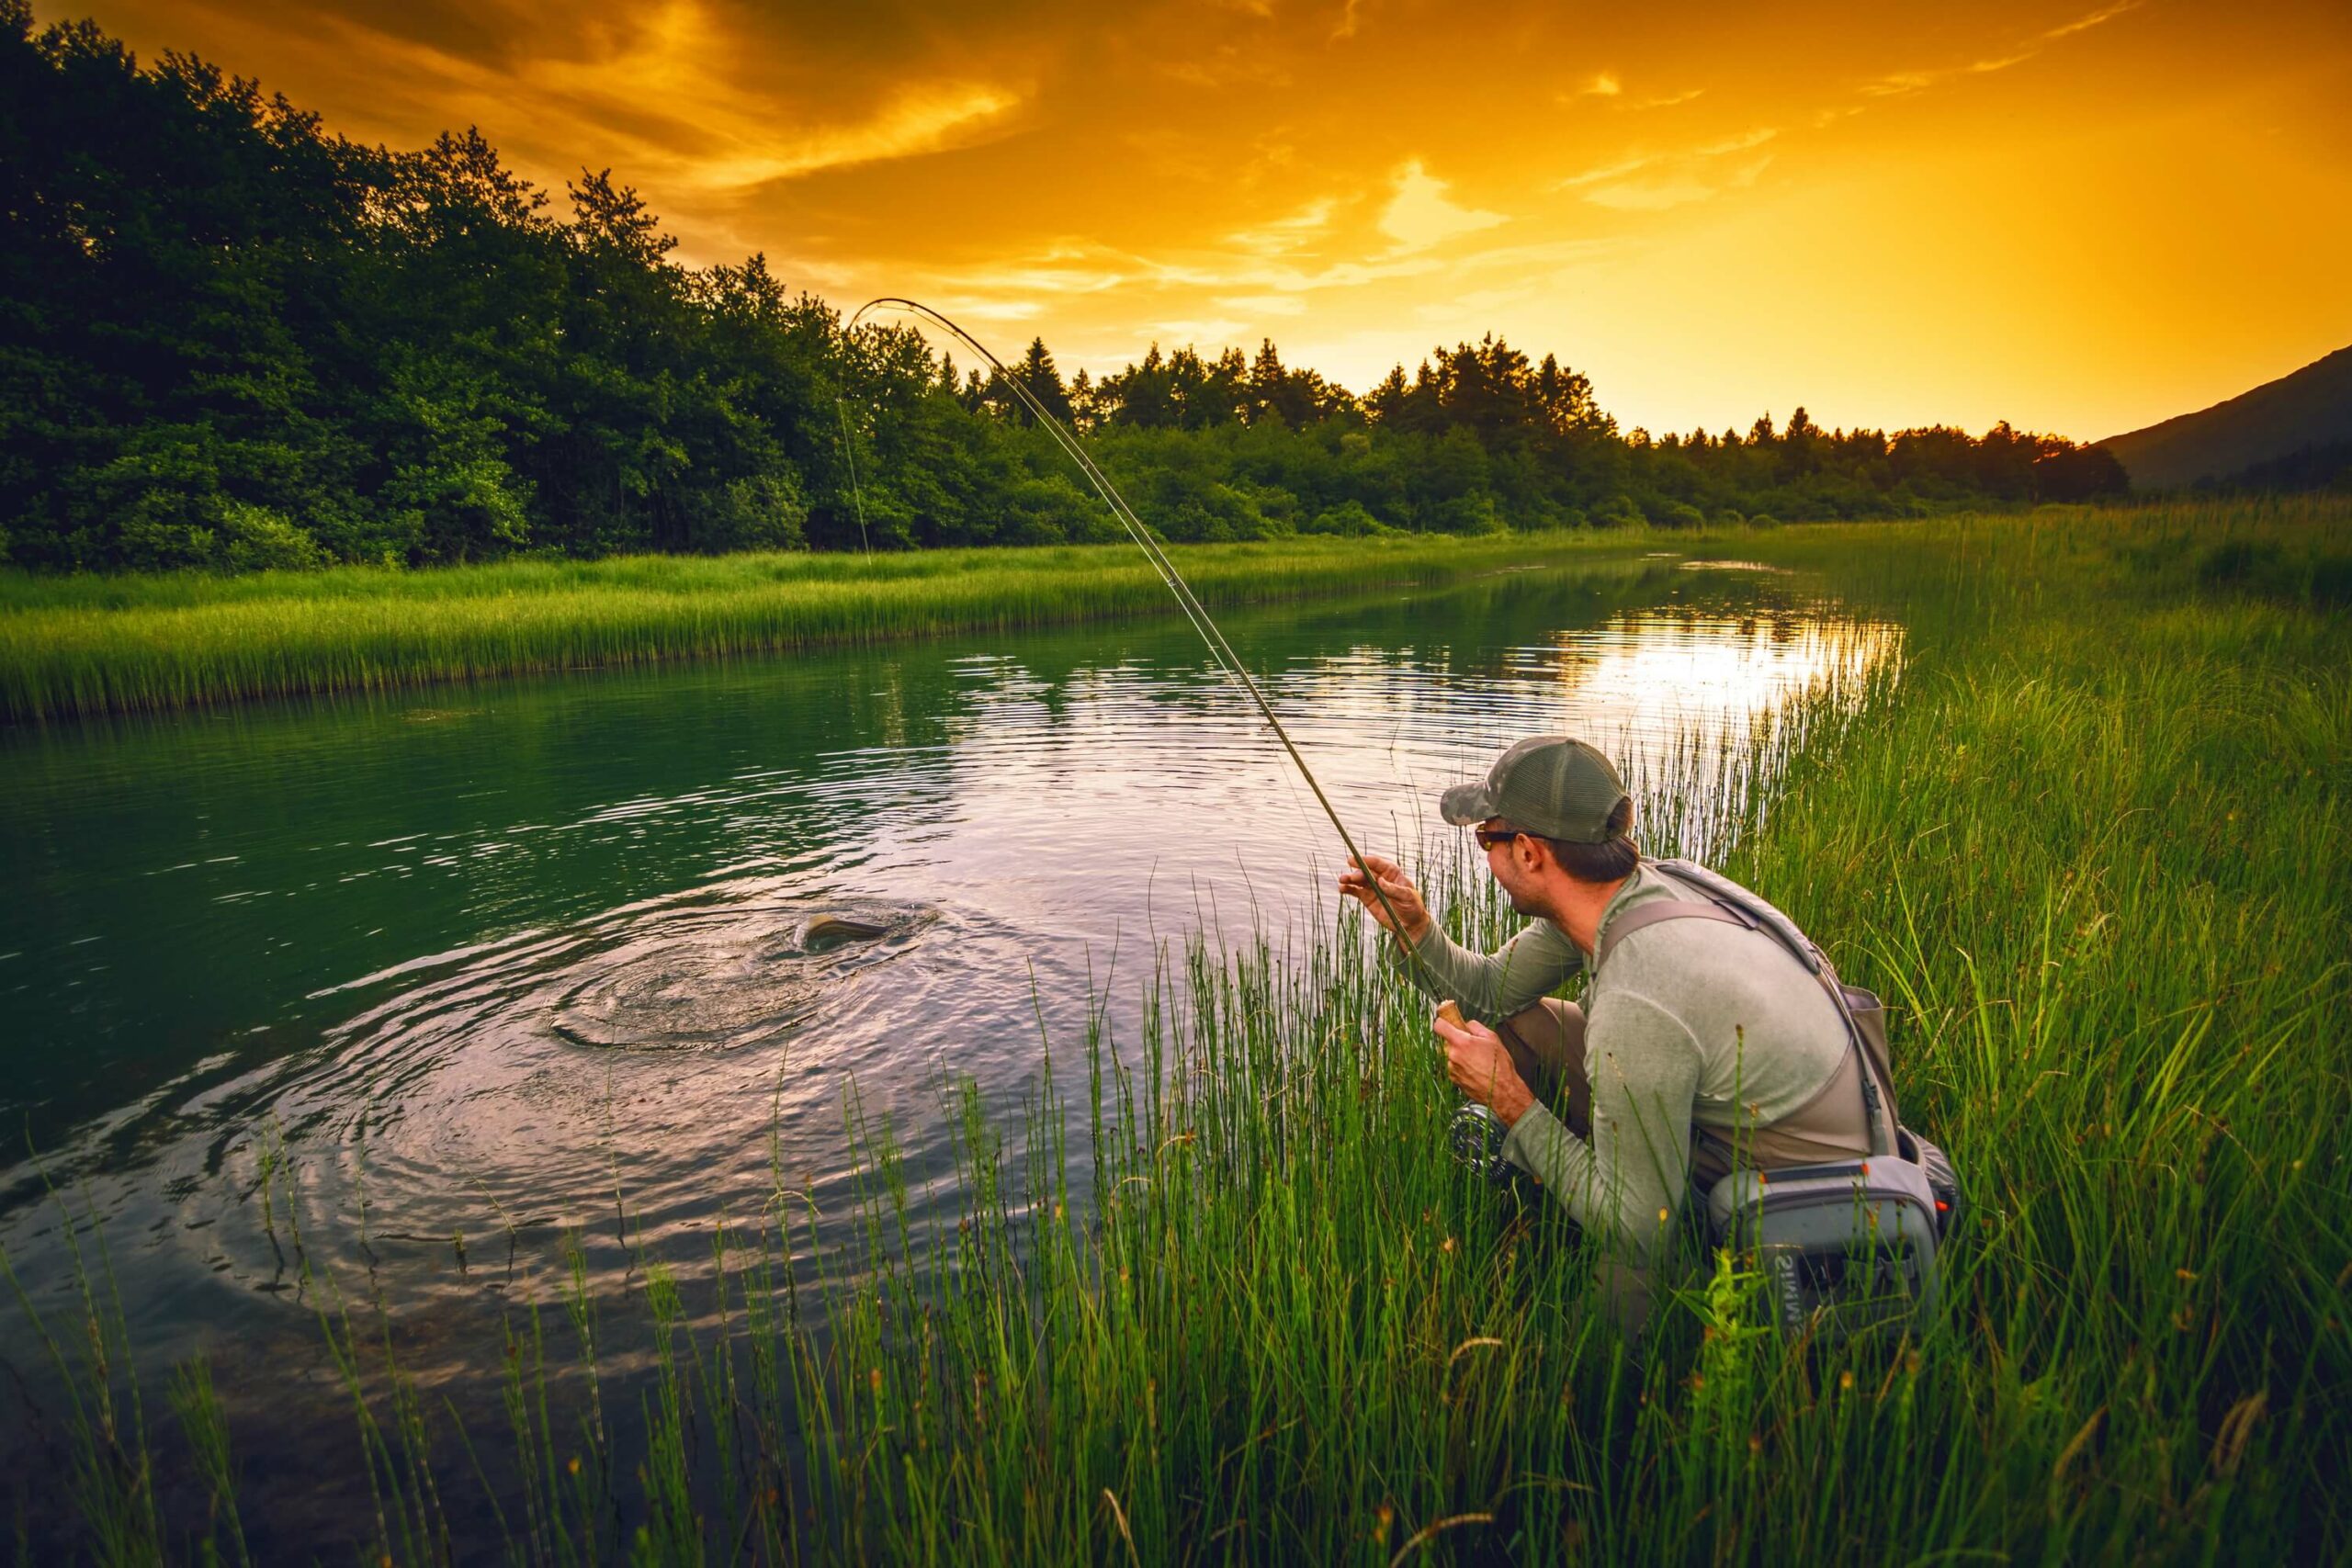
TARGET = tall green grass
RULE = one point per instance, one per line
(90, 644)
(2093, 845)
(82, 645)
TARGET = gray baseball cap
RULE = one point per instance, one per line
(1546, 784)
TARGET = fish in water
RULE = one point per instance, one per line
(822, 934)
(705, 979)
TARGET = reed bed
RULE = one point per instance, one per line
(1221, 1296)
(79, 644)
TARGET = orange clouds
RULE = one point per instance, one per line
(2074, 215)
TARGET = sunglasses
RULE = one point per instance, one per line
(1490, 836)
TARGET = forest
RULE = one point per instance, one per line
(232, 340)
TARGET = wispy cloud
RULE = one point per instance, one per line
(1610, 88)
(978, 308)
(1615, 171)
(1242, 286)
(1264, 304)
(1475, 304)
(1215, 332)
(1739, 143)
(1229, 65)
(665, 92)
(1895, 83)
(1902, 83)
(1672, 178)
(1228, 274)
(1650, 195)
(919, 121)
(1421, 215)
(1047, 277)
(1279, 236)
(2084, 24)
(1656, 196)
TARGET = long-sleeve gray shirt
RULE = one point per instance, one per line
(1689, 1019)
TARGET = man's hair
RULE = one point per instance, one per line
(1612, 859)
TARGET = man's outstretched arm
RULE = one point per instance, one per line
(1493, 985)
(1489, 986)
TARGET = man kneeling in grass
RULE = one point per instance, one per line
(1700, 1043)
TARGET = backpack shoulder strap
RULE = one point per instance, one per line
(1643, 916)
(1723, 899)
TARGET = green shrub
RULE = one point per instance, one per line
(1347, 520)
(1618, 512)
(1471, 514)
(253, 538)
(1052, 511)
(763, 513)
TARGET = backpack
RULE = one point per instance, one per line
(1848, 1246)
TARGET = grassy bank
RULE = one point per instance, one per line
(2094, 846)
(2095, 850)
(92, 644)
(89, 644)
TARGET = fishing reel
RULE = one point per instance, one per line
(1476, 1136)
(1476, 1139)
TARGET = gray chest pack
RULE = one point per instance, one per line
(1849, 1246)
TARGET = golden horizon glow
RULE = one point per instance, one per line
(2081, 217)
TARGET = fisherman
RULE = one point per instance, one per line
(1700, 1046)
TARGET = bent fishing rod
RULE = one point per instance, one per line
(1194, 611)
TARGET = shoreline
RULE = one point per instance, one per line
(131, 644)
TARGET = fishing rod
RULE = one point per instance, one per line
(1194, 611)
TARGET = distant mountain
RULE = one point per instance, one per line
(2309, 411)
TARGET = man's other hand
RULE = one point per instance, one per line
(1403, 898)
(1480, 1068)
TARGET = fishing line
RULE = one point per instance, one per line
(849, 455)
(1194, 611)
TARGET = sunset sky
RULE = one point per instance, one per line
(2079, 215)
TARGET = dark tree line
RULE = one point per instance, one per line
(229, 339)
